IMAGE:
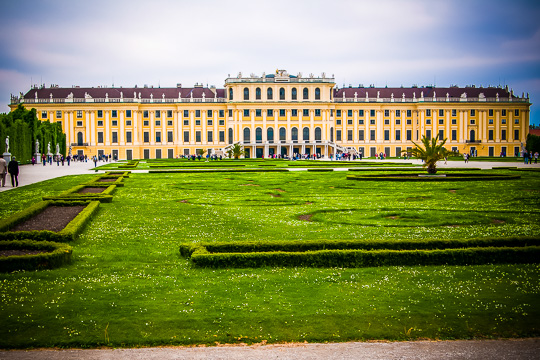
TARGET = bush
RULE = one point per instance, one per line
(447, 177)
(56, 255)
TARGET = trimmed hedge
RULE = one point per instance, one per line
(213, 171)
(130, 165)
(57, 255)
(118, 173)
(357, 253)
(118, 181)
(417, 168)
(448, 177)
(68, 233)
(73, 195)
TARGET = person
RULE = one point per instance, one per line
(3, 170)
(536, 157)
(95, 161)
(13, 169)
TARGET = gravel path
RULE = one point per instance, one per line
(418, 350)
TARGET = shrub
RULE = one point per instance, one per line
(57, 255)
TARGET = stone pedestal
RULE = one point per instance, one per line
(38, 157)
(7, 156)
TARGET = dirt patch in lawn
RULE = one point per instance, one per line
(308, 203)
(306, 217)
(393, 217)
(280, 190)
(93, 190)
(6, 253)
(53, 218)
(497, 221)
(453, 191)
(275, 195)
(183, 201)
(249, 185)
(107, 180)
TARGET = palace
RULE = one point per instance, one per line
(280, 113)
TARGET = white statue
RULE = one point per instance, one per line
(7, 144)
(37, 146)
(70, 149)
(49, 148)
(57, 148)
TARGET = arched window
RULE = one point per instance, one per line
(258, 135)
(246, 94)
(80, 138)
(294, 134)
(270, 134)
(231, 136)
(282, 134)
(247, 134)
(293, 94)
(306, 93)
(305, 133)
(258, 94)
(317, 94)
(269, 94)
(317, 133)
(473, 137)
(281, 94)
(332, 134)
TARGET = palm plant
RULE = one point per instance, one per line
(235, 151)
(430, 153)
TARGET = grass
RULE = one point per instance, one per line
(128, 285)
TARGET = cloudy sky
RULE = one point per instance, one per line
(160, 42)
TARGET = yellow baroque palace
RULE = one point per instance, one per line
(280, 113)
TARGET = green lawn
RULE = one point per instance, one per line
(128, 286)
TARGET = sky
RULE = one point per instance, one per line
(162, 43)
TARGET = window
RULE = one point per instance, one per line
(100, 123)
(409, 135)
(454, 135)
(454, 112)
(428, 121)
(441, 134)
(221, 113)
(209, 113)
(398, 121)
(145, 114)
(372, 135)
(294, 94)
(258, 94)
(305, 93)
(349, 122)
(186, 113)
(128, 136)
(338, 122)
(387, 113)
(43, 114)
(258, 135)
(372, 122)
(145, 123)
(79, 123)
(221, 122)
(231, 137)
(115, 137)
(222, 136)
(305, 133)
(282, 134)
(516, 121)
(349, 135)
(503, 134)
(210, 136)
(247, 135)
(516, 134)
(158, 136)
(386, 121)
(473, 121)
(169, 136)
(317, 112)
(197, 136)
(169, 113)
(428, 112)
(186, 136)
(490, 112)
(454, 121)
(230, 113)
(58, 114)
(490, 134)
(158, 153)
(441, 112)
(114, 123)
(294, 112)
(349, 113)
(338, 113)
(409, 113)
(246, 113)
(197, 122)
(169, 122)
(198, 113)
(128, 113)
(246, 94)
(503, 121)
(281, 94)
(398, 135)
(269, 112)
(209, 122)
(503, 112)
(409, 121)
(428, 134)
(317, 94)
(100, 137)
(386, 134)
(360, 112)
(294, 134)
(305, 112)
(361, 121)
(269, 94)
(146, 136)
(372, 113)
(441, 121)
(230, 94)
(516, 112)
(270, 134)
(186, 122)
(338, 135)
(473, 112)
(361, 135)
(490, 121)
(79, 114)
(158, 122)
(281, 112)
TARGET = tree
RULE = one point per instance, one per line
(235, 151)
(430, 153)
(533, 143)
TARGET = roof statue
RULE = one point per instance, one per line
(355, 95)
(434, 97)
(134, 94)
(481, 96)
(447, 96)
(70, 95)
(51, 96)
(121, 95)
(151, 96)
(163, 96)
(464, 95)
(87, 95)
(35, 96)
(392, 96)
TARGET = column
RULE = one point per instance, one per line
(121, 137)
(87, 127)
(70, 129)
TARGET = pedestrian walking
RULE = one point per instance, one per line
(3, 170)
(13, 169)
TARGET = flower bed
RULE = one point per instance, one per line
(33, 255)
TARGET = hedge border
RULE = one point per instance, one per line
(69, 233)
(58, 254)
(119, 181)
(72, 195)
(132, 164)
(198, 171)
(448, 177)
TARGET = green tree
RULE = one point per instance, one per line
(533, 143)
(235, 151)
(430, 153)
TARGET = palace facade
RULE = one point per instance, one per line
(280, 113)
